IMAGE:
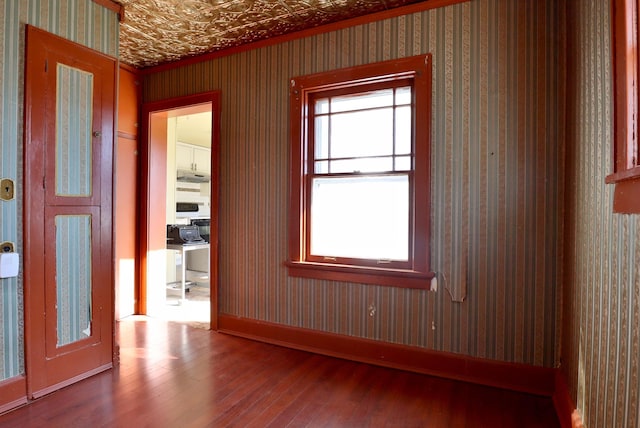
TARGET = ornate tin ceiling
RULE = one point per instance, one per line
(158, 31)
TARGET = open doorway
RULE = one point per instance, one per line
(179, 210)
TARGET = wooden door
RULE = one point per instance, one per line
(68, 155)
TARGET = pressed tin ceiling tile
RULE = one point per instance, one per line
(158, 31)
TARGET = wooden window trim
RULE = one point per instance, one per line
(418, 275)
(625, 148)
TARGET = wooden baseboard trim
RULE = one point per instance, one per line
(13, 392)
(568, 415)
(512, 376)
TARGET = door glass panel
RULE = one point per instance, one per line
(73, 131)
(73, 277)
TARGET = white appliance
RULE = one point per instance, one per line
(192, 200)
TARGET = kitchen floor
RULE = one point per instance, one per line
(194, 311)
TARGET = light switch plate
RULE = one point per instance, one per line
(9, 265)
(7, 188)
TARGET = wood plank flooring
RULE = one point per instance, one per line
(173, 375)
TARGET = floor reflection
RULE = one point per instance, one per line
(195, 310)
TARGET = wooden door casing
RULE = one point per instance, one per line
(153, 182)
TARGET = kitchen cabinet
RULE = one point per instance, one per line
(193, 158)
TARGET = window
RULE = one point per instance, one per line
(626, 150)
(360, 144)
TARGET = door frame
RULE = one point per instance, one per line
(151, 169)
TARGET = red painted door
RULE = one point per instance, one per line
(68, 262)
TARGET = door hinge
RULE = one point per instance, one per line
(46, 65)
(44, 181)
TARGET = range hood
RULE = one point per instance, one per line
(186, 176)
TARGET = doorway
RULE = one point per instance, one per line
(171, 241)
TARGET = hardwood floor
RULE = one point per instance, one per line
(173, 375)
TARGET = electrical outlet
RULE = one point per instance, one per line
(6, 189)
(7, 247)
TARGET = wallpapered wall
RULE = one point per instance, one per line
(81, 21)
(601, 292)
(496, 180)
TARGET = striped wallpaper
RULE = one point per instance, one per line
(74, 111)
(82, 21)
(497, 162)
(601, 292)
(73, 278)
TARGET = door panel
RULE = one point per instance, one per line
(69, 110)
(72, 150)
(73, 278)
(71, 264)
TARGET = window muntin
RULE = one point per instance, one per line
(334, 171)
(362, 131)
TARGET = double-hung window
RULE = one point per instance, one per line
(360, 174)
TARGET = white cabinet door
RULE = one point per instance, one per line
(193, 158)
(202, 159)
(184, 157)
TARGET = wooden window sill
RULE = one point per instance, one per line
(628, 174)
(626, 196)
(365, 275)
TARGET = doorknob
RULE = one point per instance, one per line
(97, 133)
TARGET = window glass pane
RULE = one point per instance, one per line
(403, 130)
(73, 278)
(381, 98)
(321, 137)
(362, 165)
(360, 217)
(322, 106)
(322, 167)
(403, 95)
(403, 163)
(365, 133)
(74, 116)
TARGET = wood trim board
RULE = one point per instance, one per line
(511, 376)
(13, 393)
(566, 411)
(112, 5)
